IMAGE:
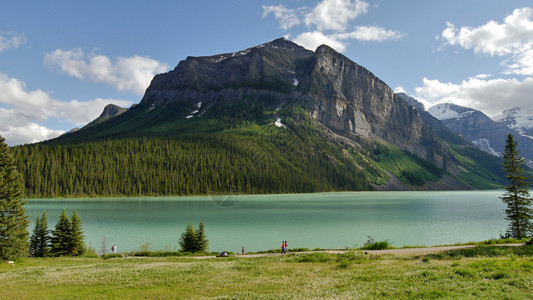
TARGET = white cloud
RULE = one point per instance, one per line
(491, 96)
(287, 18)
(370, 33)
(513, 38)
(22, 113)
(29, 133)
(126, 74)
(399, 89)
(11, 40)
(331, 19)
(338, 41)
(335, 14)
(311, 40)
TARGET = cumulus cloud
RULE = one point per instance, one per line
(399, 89)
(335, 14)
(287, 18)
(29, 133)
(311, 40)
(11, 40)
(513, 38)
(331, 21)
(22, 113)
(488, 95)
(126, 74)
(339, 41)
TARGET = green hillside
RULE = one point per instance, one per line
(246, 158)
(148, 155)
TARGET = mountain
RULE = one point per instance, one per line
(268, 119)
(110, 111)
(478, 165)
(519, 119)
(481, 130)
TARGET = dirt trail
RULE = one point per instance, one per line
(410, 251)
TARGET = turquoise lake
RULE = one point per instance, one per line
(261, 222)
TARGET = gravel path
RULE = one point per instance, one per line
(402, 251)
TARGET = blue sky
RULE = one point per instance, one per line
(61, 62)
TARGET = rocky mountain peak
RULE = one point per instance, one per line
(112, 110)
(445, 111)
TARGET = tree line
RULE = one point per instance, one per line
(183, 166)
(67, 237)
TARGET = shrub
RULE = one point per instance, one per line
(112, 255)
(373, 245)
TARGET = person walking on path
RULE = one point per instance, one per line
(282, 247)
(242, 250)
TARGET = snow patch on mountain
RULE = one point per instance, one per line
(278, 123)
(448, 111)
(484, 145)
(295, 82)
(194, 112)
(517, 118)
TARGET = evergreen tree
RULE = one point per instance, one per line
(188, 239)
(516, 196)
(13, 220)
(202, 243)
(40, 239)
(77, 244)
(34, 242)
(61, 236)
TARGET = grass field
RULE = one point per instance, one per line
(484, 272)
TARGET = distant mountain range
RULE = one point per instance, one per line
(268, 119)
(486, 133)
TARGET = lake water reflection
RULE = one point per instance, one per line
(260, 222)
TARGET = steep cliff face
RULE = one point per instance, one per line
(336, 92)
(352, 101)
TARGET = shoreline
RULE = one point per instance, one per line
(399, 251)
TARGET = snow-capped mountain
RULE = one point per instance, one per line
(483, 131)
(448, 111)
(519, 119)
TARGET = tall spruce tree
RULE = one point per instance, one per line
(188, 239)
(77, 244)
(13, 220)
(516, 195)
(202, 243)
(40, 239)
(61, 236)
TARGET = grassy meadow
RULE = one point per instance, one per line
(485, 272)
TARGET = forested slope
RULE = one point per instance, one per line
(254, 160)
